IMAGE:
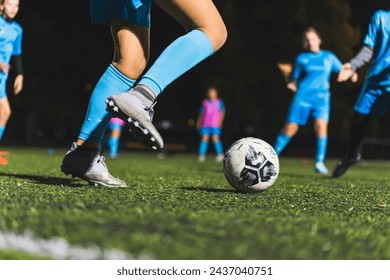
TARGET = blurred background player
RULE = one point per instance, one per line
(129, 22)
(10, 53)
(209, 123)
(310, 82)
(374, 98)
(115, 130)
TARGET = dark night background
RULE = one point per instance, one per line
(64, 55)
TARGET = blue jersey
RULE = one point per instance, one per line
(378, 38)
(10, 40)
(312, 70)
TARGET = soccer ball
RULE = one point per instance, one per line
(251, 165)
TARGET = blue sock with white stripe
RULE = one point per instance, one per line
(97, 118)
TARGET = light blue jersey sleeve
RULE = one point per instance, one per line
(298, 67)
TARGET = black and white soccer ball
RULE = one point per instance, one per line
(251, 165)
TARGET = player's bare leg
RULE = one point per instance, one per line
(206, 34)
(84, 160)
(5, 111)
(131, 56)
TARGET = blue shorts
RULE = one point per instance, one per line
(135, 11)
(3, 85)
(210, 131)
(308, 104)
(373, 99)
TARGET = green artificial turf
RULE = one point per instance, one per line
(177, 208)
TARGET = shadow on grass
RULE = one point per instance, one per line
(210, 190)
(46, 180)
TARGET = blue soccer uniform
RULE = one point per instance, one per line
(10, 45)
(312, 72)
(375, 94)
(374, 98)
(210, 115)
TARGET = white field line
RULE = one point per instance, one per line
(59, 248)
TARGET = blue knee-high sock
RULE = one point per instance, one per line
(281, 142)
(218, 147)
(113, 144)
(203, 148)
(97, 118)
(321, 148)
(2, 129)
(179, 57)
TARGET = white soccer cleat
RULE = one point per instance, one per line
(130, 107)
(90, 167)
(321, 168)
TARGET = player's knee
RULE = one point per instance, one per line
(205, 138)
(217, 33)
(220, 37)
(131, 68)
(290, 129)
(321, 128)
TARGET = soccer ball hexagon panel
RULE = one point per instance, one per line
(251, 165)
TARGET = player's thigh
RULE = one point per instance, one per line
(3, 85)
(5, 108)
(199, 14)
(131, 43)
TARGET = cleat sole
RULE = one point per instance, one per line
(136, 127)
